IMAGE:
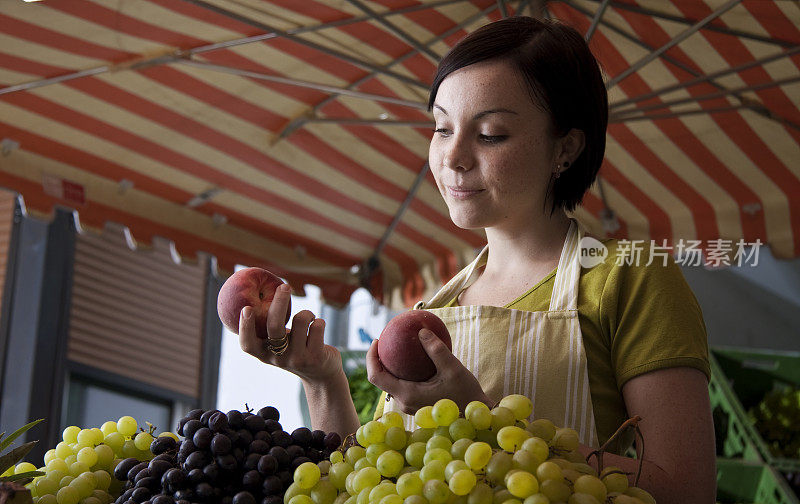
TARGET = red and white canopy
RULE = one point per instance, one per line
(293, 134)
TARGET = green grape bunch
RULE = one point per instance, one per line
(79, 470)
(483, 456)
(777, 418)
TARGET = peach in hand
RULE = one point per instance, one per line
(248, 287)
(400, 350)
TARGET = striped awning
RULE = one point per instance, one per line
(293, 134)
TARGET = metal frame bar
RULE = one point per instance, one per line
(539, 10)
(305, 84)
(298, 122)
(759, 110)
(596, 20)
(678, 19)
(672, 43)
(632, 38)
(501, 4)
(159, 60)
(521, 7)
(708, 77)
(392, 27)
(54, 80)
(366, 65)
(710, 96)
(670, 115)
(372, 262)
(403, 207)
(369, 122)
(608, 217)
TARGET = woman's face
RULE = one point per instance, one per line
(492, 153)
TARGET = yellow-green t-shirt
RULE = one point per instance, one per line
(634, 319)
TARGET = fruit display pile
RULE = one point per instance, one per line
(229, 458)
(80, 467)
(777, 418)
(235, 457)
(486, 456)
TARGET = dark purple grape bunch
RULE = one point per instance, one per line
(231, 458)
(143, 479)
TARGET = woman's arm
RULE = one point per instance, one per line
(679, 459)
(331, 406)
(318, 365)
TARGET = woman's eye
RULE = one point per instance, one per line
(493, 138)
(442, 131)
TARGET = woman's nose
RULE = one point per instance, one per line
(457, 154)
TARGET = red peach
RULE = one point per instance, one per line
(248, 287)
(400, 350)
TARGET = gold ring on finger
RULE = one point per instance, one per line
(278, 346)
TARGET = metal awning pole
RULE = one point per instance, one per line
(366, 65)
(627, 36)
(708, 77)
(374, 259)
(369, 122)
(758, 110)
(709, 96)
(607, 216)
(54, 80)
(682, 20)
(521, 7)
(298, 122)
(397, 31)
(671, 115)
(176, 55)
(672, 43)
(305, 84)
(501, 4)
(596, 20)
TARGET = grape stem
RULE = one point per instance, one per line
(348, 442)
(627, 424)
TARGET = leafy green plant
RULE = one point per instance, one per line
(365, 395)
(16, 455)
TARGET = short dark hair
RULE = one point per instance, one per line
(563, 77)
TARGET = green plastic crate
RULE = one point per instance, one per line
(751, 482)
(733, 438)
(743, 377)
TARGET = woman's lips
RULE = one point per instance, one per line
(461, 192)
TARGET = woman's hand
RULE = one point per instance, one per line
(307, 355)
(452, 380)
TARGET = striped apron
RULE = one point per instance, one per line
(536, 354)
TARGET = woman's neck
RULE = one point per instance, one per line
(537, 243)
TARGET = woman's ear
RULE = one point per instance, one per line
(570, 147)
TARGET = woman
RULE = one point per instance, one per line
(521, 112)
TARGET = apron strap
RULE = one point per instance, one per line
(568, 272)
